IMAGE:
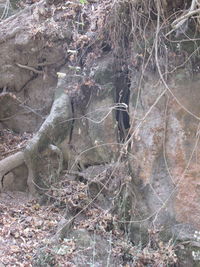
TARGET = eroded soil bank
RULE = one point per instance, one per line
(99, 120)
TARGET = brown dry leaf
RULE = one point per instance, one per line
(82, 195)
(15, 249)
(39, 223)
(16, 234)
(36, 206)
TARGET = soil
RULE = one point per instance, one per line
(24, 227)
(28, 229)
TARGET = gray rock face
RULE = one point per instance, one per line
(28, 66)
(94, 134)
(164, 149)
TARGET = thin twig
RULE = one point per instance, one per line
(181, 20)
(30, 68)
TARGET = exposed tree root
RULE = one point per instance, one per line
(9, 163)
(52, 132)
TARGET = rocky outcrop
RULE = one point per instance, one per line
(164, 151)
(104, 113)
(28, 65)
